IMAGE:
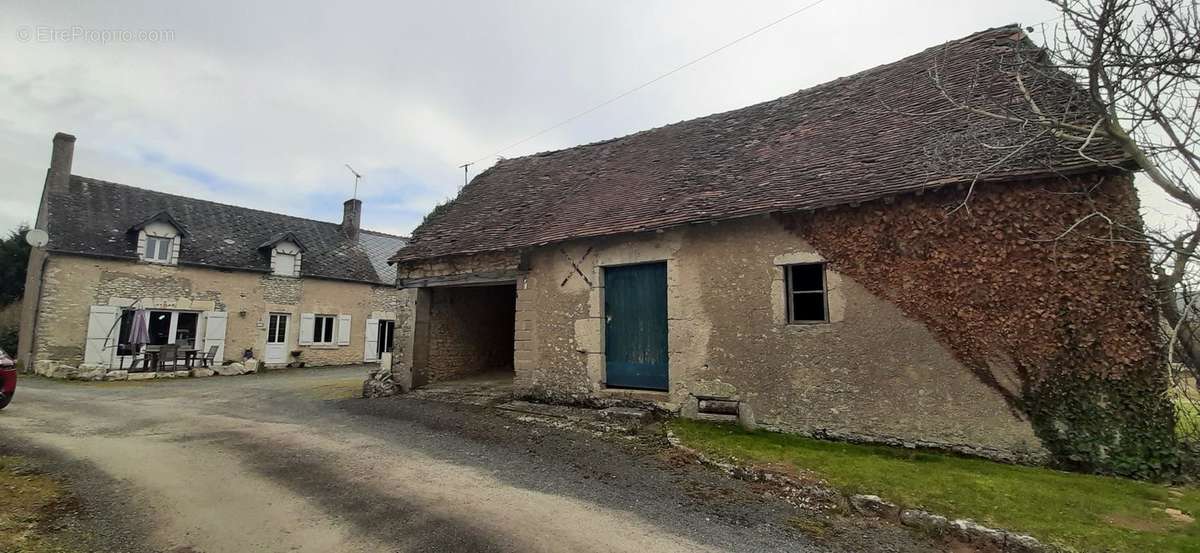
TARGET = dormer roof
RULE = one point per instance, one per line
(287, 236)
(161, 217)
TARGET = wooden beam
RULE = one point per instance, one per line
(466, 279)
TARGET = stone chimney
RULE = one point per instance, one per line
(351, 217)
(59, 173)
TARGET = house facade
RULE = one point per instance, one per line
(283, 290)
(802, 265)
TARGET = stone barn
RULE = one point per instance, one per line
(800, 264)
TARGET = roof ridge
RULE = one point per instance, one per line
(194, 199)
(387, 234)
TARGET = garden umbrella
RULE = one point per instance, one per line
(139, 333)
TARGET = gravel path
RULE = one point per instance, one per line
(288, 461)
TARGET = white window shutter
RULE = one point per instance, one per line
(306, 329)
(343, 330)
(103, 331)
(214, 333)
(371, 343)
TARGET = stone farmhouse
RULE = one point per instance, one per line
(799, 264)
(282, 289)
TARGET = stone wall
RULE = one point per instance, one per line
(871, 373)
(72, 284)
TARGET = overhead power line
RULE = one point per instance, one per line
(652, 81)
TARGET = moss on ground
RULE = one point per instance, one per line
(32, 505)
(1079, 511)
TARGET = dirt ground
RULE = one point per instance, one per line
(291, 461)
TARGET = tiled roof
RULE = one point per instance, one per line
(851, 140)
(94, 217)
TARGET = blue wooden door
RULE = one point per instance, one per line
(635, 327)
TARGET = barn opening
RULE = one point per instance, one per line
(465, 333)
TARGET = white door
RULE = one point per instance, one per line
(277, 328)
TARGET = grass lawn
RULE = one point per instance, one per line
(1087, 513)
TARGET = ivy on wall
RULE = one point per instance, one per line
(1069, 315)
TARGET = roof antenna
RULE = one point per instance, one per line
(465, 167)
(356, 177)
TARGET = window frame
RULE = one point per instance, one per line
(790, 294)
(320, 330)
(159, 245)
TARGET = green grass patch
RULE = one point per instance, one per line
(1084, 512)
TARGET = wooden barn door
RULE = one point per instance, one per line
(635, 338)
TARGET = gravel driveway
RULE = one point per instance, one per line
(289, 461)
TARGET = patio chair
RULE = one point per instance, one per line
(168, 354)
(207, 359)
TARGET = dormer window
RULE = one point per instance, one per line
(158, 239)
(285, 263)
(158, 249)
(286, 253)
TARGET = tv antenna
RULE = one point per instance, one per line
(466, 168)
(356, 178)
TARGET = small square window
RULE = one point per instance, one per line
(806, 294)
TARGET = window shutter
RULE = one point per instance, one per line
(343, 330)
(371, 343)
(102, 335)
(214, 333)
(306, 329)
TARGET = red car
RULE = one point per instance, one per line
(8, 379)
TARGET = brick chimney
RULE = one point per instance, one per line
(351, 217)
(59, 173)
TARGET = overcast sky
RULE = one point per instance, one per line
(261, 105)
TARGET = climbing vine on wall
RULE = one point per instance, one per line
(1070, 316)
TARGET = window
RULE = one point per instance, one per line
(185, 329)
(323, 326)
(158, 249)
(387, 331)
(806, 293)
(285, 264)
(125, 334)
(277, 329)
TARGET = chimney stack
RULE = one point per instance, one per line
(59, 173)
(351, 217)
